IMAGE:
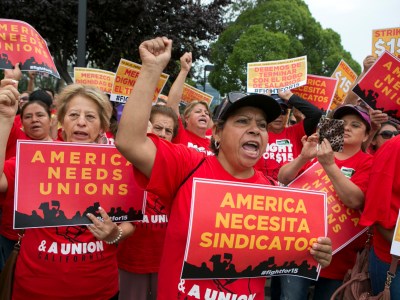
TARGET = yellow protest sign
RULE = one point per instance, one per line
(386, 39)
(192, 94)
(95, 77)
(276, 75)
(346, 77)
(125, 79)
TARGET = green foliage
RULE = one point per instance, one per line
(274, 30)
(116, 28)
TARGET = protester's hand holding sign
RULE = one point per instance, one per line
(15, 73)
(322, 251)
(8, 102)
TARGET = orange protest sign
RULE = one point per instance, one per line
(342, 221)
(386, 40)
(273, 76)
(319, 90)
(346, 77)
(21, 43)
(254, 230)
(95, 77)
(380, 86)
(125, 78)
(191, 94)
(71, 180)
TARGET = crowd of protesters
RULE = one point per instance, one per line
(238, 142)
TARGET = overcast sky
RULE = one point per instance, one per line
(354, 21)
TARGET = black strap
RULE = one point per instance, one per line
(191, 173)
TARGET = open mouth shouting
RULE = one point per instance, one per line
(252, 149)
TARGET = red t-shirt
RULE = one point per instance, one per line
(141, 252)
(172, 164)
(16, 133)
(7, 202)
(358, 167)
(281, 149)
(192, 140)
(383, 195)
(65, 263)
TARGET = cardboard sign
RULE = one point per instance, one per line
(395, 248)
(380, 86)
(346, 77)
(343, 225)
(239, 230)
(125, 79)
(191, 94)
(319, 90)
(57, 184)
(21, 43)
(277, 75)
(386, 40)
(95, 77)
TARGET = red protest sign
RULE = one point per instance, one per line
(319, 90)
(21, 43)
(69, 180)
(255, 230)
(380, 86)
(342, 221)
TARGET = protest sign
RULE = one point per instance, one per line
(21, 43)
(346, 77)
(342, 221)
(386, 40)
(190, 94)
(125, 78)
(395, 248)
(57, 184)
(273, 76)
(95, 77)
(253, 230)
(319, 90)
(380, 86)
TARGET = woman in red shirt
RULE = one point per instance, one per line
(167, 170)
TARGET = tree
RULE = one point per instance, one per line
(273, 30)
(116, 28)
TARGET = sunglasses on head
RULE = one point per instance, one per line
(387, 134)
(232, 97)
(235, 96)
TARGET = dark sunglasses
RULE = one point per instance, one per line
(232, 97)
(387, 134)
(283, 111)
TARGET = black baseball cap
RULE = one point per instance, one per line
(236, 100)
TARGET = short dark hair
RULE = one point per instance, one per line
(38, 102)
(166, 111)
(41, 95)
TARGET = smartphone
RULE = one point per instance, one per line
(333, 131)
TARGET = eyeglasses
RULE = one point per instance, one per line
(387, 134)
(283, 111)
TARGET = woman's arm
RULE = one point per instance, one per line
(348, 192)
(132, 140)
(289, 171)
(8, 108)
(175, 93)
